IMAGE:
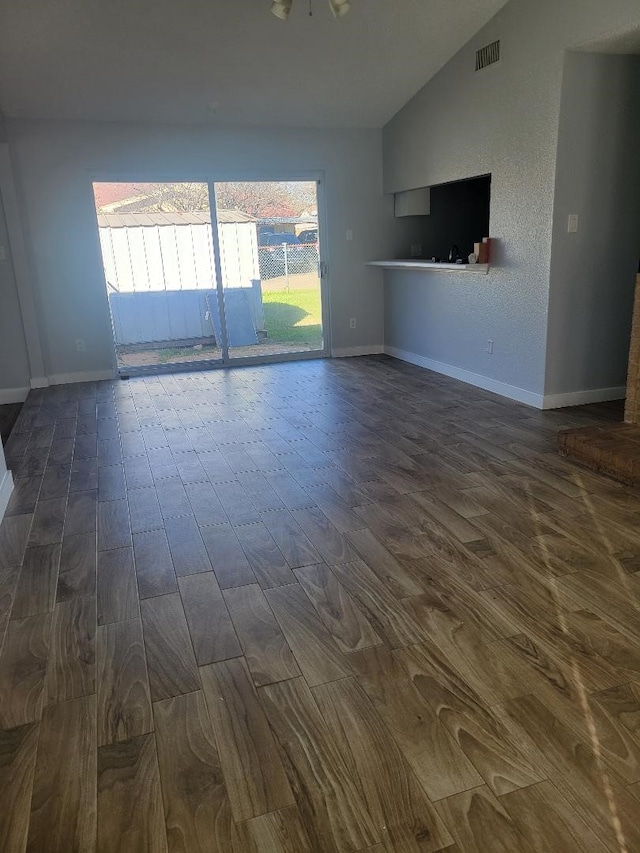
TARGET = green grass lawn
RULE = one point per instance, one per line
(293, 317)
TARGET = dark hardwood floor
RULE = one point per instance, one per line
(332, 606)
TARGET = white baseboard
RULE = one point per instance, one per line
(6, 487)
(40, 382)
(88, 376)
(581, 398)
(13, 395)
(345, 352)
(484, 382)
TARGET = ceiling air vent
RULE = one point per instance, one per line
(487, 55)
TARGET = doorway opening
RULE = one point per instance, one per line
(202, 274)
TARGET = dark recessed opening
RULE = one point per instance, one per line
(459, 217)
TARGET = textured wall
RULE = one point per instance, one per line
(598, 178)
(503, 120)
(14, 361)
(56, 162)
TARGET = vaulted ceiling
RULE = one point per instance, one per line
(226, 61)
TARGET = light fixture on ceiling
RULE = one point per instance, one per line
(339, 7)
(282, 8)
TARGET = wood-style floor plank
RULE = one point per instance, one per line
(130, 814)
(333, 546)
(154, 566)
(436, 758)
(598, 798)
(195, 814)
(23, 669)
(114, 527)
(124, 703)
(210, 626)
(478, 822)
(48, 522)
(392, 794)
(170, 658)
(389, 619)
(71, 672)
(229, 561)
(81, 515)
(144, 510)
(186, 546)
(344, 620)
(290, 539)
(481, 735)
(24, 496)
(117, 588)
(279, 832)
(314, 648)
(17, 763)
(253, 772)
(265, 558)
(329, 801)
(14, 533)
(63, 807)
(548, 822)
(36, 590)
(265, 649)
(339, 513)
(77, 574)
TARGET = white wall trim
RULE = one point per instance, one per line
(502, 388)
(13, 395)
(346, 352)
(20, 263)
(581, 398)
(40, 382)
(6, 487)
(19, 395)
(83, 376)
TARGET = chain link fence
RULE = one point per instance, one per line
(287, 259)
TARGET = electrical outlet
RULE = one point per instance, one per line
(3, 253)
(80, 345)
(416, 250)
(349, 234)
(352, 323)
(490, 347)
(572, 223)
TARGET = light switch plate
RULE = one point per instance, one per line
(572, 223)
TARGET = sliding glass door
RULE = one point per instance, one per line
(204, 274)
(161, 273)
(270, 267)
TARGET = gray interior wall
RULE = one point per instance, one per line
(56, 162)
(597, 177)
(14, 361)
(503, 121)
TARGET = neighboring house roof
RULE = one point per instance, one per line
(137, 220)
(114, 193)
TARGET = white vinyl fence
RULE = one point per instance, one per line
(161, 277)
(174, 251)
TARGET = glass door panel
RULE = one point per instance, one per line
(269, 262)
(159, 264)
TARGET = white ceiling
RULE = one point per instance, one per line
(171, 60)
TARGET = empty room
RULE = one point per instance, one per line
(320, 421)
